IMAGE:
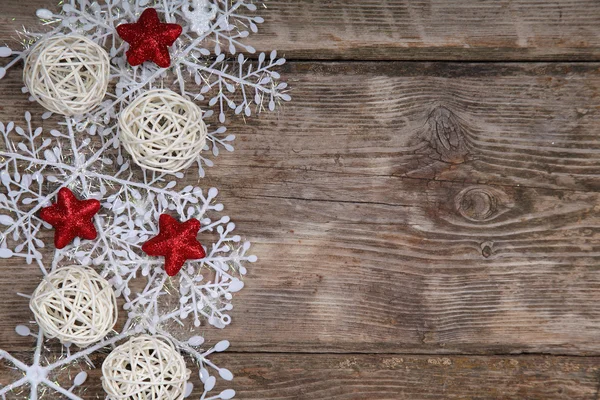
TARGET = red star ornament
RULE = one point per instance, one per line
(176, 242)
(149, 39)
(71, 218)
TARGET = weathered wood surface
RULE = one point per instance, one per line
(412, 208)
(407, 30)
(533, 125)
(389, 377)
(348, 377)
(409, 211)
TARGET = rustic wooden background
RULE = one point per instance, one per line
(426, 210)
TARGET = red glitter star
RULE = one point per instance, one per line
(176, 242)
(71, 218)
(149, 39)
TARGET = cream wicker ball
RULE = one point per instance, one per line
(67, 75)
(145, 368)
(162, 131)
(76, 305)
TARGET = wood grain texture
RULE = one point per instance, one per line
(385, 222)
(407, 30)
(392, 377)
(434, 219)
(348, 377)
(534, 125)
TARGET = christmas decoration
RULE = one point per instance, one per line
(71, 218)
(132, 203)
(75, 305)
(222, 86)
(67, 74)
(143, 368)
(131, 207)
(84, 154)
(40, 374)
(176, 242)
(149, 39)
(200, 13)
(162, 131)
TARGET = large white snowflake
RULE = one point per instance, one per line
(32, 170)
(201, 68)
(33, 167)
(41, 378)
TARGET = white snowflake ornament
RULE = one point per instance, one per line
(34, 165)
(209, 68)
(199, 14)
(84, 154)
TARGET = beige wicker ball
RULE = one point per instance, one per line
(67, 75)
(145, 368)
(162, 131)
(76, 305)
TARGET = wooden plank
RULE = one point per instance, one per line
(382, 377)
(406, 30)
(404, 272)
(403, 269)
(434, 29)
(369, 243)
(534, 125)
(335, 377)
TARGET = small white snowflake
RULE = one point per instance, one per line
(199, 13)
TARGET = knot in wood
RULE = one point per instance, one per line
(481, 203)
(486, 249)
(447, 136)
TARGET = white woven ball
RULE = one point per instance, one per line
(145, 368)
(74, 304)
(67, 75)
(162, 131)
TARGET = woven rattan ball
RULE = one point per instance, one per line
(162, 131)
(74, 304)
(67, 74)
(145, 368)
